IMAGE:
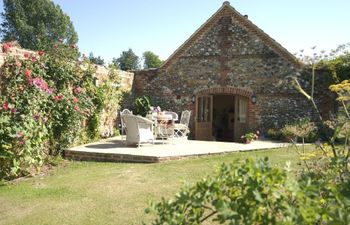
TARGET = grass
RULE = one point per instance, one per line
(110, 193)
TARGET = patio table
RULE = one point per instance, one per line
(164, 126)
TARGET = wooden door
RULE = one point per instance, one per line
(241, 117)
(204, 117)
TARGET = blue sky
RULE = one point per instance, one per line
(108, 27)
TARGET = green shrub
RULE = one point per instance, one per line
(116, 132)
(287, 135)
(312, 137)
(142, 105)
(253, 192)
(274, 134)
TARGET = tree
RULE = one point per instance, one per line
(128, 60)
(96, 60)
(339, 67)
(151, 60)
(36, 24)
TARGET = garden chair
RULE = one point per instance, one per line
(123, 128)
(138, 130)
(181, 129)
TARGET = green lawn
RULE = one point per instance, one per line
(109, 193)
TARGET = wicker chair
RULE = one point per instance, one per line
(138, 130)
(123, 128)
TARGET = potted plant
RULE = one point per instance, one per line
(142, 105)
(249, 137)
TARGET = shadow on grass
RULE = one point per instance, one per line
(2, 183)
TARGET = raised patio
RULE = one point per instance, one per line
(114, 150)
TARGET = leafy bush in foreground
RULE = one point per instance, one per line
(253, 192)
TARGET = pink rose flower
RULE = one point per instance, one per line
(40, 84)
(49, 91)
(77, 90)
(6, 47)
(5, 105)
(30, 81)
(27, 73)
(36, 117)
(58, 98)
(19, 134)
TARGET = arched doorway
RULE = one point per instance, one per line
(222, 114)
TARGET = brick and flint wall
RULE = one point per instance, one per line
(228, 55)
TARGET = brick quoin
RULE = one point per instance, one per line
(226, 90)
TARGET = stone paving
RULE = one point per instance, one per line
(113, 149)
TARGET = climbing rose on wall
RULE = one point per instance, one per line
(35, 118)
(6, 47)
(41, 84)
(5, 105)
(27, 73)
(77, 90)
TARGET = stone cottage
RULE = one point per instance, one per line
(231, 75)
